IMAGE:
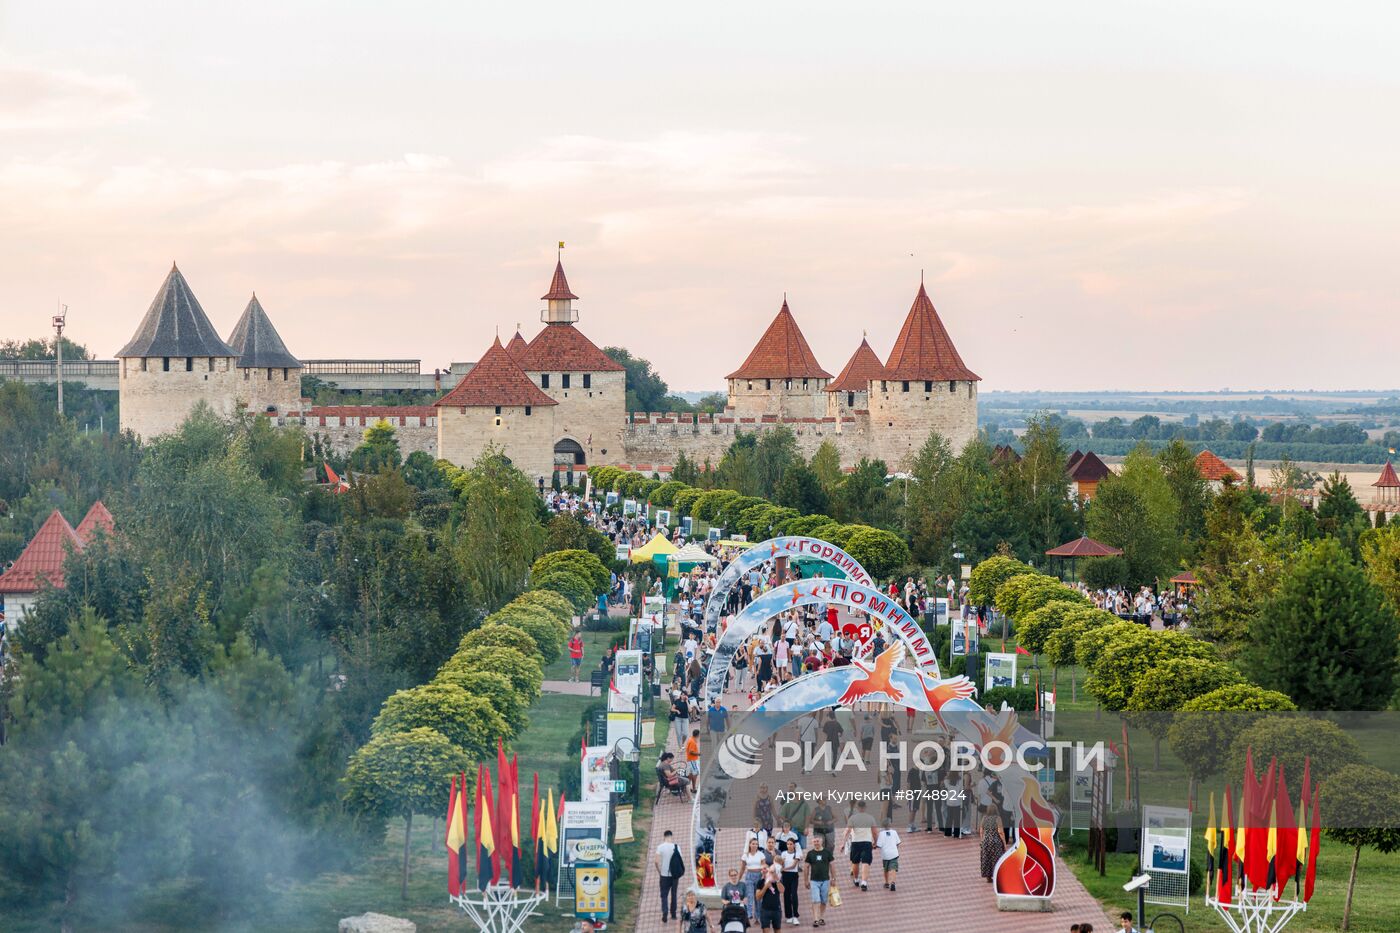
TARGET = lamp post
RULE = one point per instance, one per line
(58, 321)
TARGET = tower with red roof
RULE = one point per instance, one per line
(497, 405)
(849, 393)
(925, 387)
(780, 376)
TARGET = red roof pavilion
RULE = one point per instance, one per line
(559, 286)
(781, 353)
(1084, 547)
(496, 379)
(42, 560)
(1388, 478)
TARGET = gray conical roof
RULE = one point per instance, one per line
(176, 325)
(257, 342)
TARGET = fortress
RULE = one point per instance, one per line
(556, 403)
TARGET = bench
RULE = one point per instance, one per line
(597, 680)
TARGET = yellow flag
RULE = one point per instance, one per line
(1302, 834)
(550, 830)
(1273, 829)
(1210, 830)
(1240, 833)
(561, 244)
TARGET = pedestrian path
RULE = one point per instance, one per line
(577, 688)
(939, 886)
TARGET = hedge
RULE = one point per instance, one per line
(569, 585)
(583, 564)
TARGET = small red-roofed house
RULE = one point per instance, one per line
(39, 565)
(1214, 471)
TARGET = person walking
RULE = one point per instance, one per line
(717, 717)
(752, 862)
(770, 899)
(823, 823)
(763, 809)
(575, 656)
(668, 859)
(817, 869)
(991, 846)
(860, 833)
(888, 844)
(790, 860)
(692, 919)
(680, 716)
(692, 758)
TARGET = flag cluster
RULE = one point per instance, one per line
(1260, 843)
(498, 844)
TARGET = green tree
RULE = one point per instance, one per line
(1380, 555)
(1338, 512)
(800, 489)
(501, 533)
(684, 470)
(1202, 733)
(496, 690)
(863, 497)
(774, 454)
(571, 586)
(380, 449)
(1039, 488)
(400, 774)
(582, 564)
(1358, 808)
(501, 636)
(990, 574)
(826, 464)
(1327, 639)
(1126, 658)
(523, 671)
(1169, 686)
(1136, 510)
(646, 390)
(1190, 491)
(880, 552)
(468, 722)
(567, 532)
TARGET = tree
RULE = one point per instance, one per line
(1380, 554)
(826, 464)
(990, 574)
(582, 564)
(684, 471)
(42, 349)
(1292, 739)
(1036, 626)
(1190, 491)
(546, 633)
(551, 602)
(863, 498)
(774, 454)
(577, 590)
(468, 722)
(934, 506)
(500, 531)
(1239, 573)
(1202, 733)
(1129, 654)
(523, 671)
(880, 552)
(566, 532)
(800, 489)
(1327, 639)
(1039, 488)
(496, 690)
(1338, 512)
(646, 391)
(988, 522)
(400, 774)
(1358, 808)
(1169, 686)
(1136, 510)
(379, 450)
(500, 636)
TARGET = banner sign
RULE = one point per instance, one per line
(1001, 670)
(959, 641)
(1166, 835)
(596, 774)
(592, 890)
(628, 672)
(582, 823)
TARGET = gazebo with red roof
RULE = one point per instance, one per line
(1388, 484)
(1083, 546)
(40, 564)
(781, 375)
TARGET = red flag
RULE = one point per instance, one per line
(1225, 889)
(1020, 650)
(536, 843)
(516, 850)
(1304, 798)
(503, 811)
(1257, 835)
(1286, 860)
(1314, 840)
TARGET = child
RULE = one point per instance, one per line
(888, 844)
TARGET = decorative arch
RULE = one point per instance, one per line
(804, 593)
(1025, 870)
(568, 451)
(791, 546)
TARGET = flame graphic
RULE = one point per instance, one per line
(1028, 869)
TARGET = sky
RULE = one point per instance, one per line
(1114, 195)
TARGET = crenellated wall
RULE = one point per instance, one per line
(344, 426)
(659, 437)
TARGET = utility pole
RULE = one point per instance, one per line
(58, 321)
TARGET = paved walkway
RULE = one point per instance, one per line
(939, 886)
(579, 688)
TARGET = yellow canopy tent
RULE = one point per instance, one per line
(657, 545)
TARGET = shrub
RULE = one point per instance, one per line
(991, 574)
(1021, 699)
(547, 632)
(499, 636)
(729, 513)
(708, 506)
(1009, 594)
(1061, 644)
(1290, 739)
(1043, 594)
(569, 585)
(664, 496)
(755, 520)
(522, 670)
(840, 536)
(1093, 639)
(1035, 627)
(1128, 655)
(468, 722)
(1203, 731)
(583, 564)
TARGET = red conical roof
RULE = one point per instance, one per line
(1388, 477)
(517, 346)
(43, 558)
(97, 517)
(1084, 547)
(924, 350)
(863, 367)
(1213, 469)
(781, 353)
(559, 286)
(496, 379)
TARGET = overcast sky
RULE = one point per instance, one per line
(1102, 195)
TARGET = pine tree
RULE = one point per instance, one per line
(1327, 639)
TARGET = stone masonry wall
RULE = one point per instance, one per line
(658, 438)
(594, 417)
(155, 402)
(528, 440)
(900, 422)
(257, 391)
(754, 398)
(415, 428)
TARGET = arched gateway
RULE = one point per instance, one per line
(787, 546)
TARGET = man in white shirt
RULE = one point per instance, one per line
(665, 855)
(888, 844)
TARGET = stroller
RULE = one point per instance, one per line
(734, 918)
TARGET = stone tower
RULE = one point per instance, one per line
(781, 375)
(849, 392)
(174, 361)
(589, 386)
(926, 387)
(269, 376)
(496, 403)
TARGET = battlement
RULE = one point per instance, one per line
(359, 416)
(701, 422)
